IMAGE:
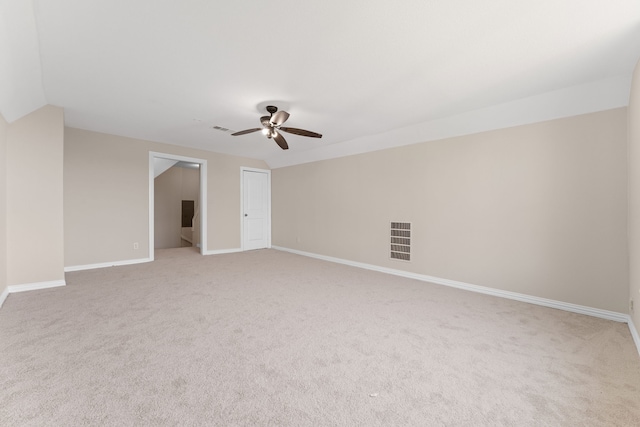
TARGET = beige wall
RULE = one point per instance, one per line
(190, 188)
(170, 189)
(537, 209)
(34, 197)
(634, 195)
(3, 204)
(106, 175)
(167, 189)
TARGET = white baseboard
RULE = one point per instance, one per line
(29, 287)
(222, 251)
(35, 286)
(106, 264)
(634, 333)
(580, 309)
(3, 296)
(139, 261)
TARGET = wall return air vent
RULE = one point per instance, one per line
(401, 241)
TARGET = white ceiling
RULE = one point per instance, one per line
(366, 74)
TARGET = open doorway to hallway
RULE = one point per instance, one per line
(177, 202)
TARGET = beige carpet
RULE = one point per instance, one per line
(270, 338)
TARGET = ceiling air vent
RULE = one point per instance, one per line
(401, 241)
(221, 129)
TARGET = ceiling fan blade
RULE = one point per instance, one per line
(279, 118)
(302, 132)
(246, 131)
(280, 140)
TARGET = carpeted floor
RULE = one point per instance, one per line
(271, 338)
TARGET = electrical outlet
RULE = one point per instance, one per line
(136, 246)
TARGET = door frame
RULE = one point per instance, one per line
(268, 173)
(203, 198)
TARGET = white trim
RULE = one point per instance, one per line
(4, 295)
(203, 198)
(560, 305)
(268, 172)
(223, 251)
(29, 287)
(106, 264)
(35, 286)
(634, 333)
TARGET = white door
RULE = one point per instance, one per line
(255, 204)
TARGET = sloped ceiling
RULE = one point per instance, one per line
(366, 74)
(21, 90)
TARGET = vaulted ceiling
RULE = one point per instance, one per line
(366, 74)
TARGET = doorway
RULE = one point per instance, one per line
(177, 196)
(162, 163)
(256, 208)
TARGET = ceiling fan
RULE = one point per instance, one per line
(273, 123)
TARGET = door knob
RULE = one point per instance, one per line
(246, 214)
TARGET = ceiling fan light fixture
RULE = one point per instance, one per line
(272, 123)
